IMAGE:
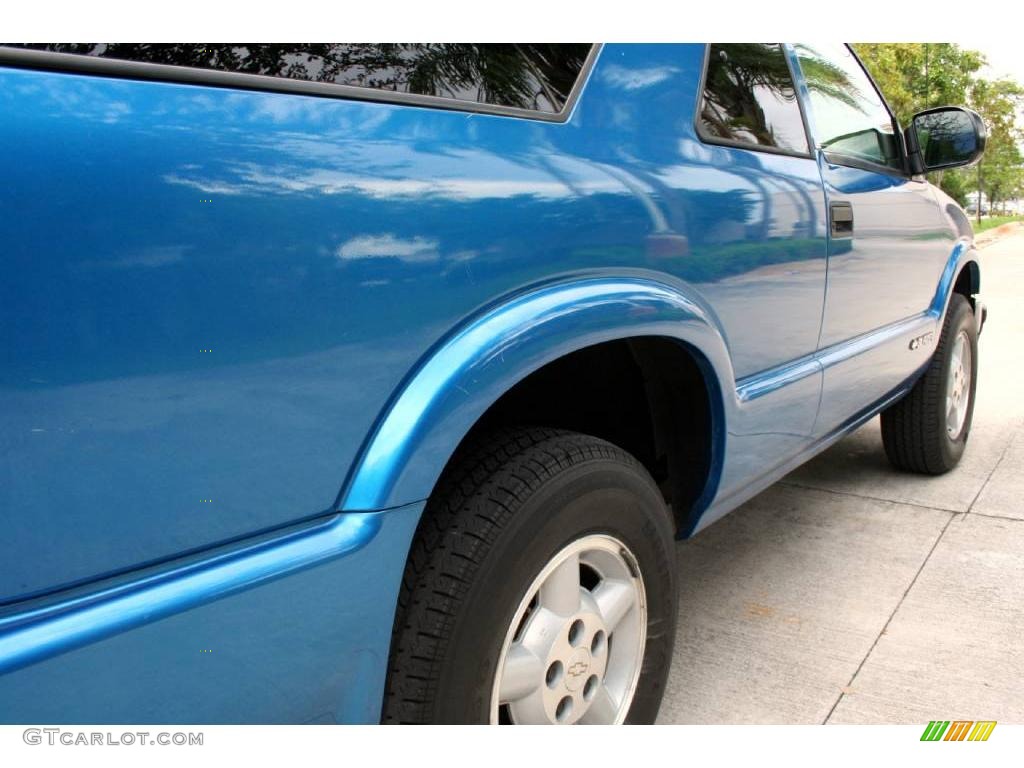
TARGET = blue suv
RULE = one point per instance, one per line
(350, 383)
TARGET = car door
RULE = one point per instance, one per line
(886, 248)
(757, 249)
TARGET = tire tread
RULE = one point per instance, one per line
(488, 481)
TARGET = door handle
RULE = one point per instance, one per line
(840, 214)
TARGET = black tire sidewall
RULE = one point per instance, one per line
(596, 497)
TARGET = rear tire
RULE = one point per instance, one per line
(514, 510)
(927, 431)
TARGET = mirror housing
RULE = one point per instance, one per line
(945, 137)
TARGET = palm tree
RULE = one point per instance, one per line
(527, 75)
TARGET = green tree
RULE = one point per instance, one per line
(898, 70)
(916, 76)
(1000, 171)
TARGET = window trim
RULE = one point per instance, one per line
(735, 144)
(123, 69)
(847, 161)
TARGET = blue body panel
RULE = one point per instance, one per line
(311, 647)
(244, 332)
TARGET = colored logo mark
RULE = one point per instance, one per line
(958, 730)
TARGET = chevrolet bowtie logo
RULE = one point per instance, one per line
(578, 668)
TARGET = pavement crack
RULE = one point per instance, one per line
(953, 514)
(918, 505)
(910, 586)
(1006, 450)
(990, 516)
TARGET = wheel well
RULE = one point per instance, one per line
(647, 395)
(968, 282)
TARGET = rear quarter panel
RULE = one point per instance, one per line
(210, 295)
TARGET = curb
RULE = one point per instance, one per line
(991, 236)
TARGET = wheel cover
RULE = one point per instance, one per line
(572, 654)
(958, 385)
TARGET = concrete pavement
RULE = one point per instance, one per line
(852, 593)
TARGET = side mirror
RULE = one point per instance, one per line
(945, 137)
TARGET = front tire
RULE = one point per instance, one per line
(927, 431)
(541, 588)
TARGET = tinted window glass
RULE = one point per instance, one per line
(527, 75)
(849, 118)
(749, 97)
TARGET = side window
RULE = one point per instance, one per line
(536, 76)
(749, 98)
(849, 118)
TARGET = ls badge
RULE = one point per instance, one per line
(922, 341)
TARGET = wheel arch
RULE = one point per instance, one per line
(962, 274)
(459, 380)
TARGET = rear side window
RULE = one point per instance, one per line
(851, 122)
(534, 76)
(749, 98)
